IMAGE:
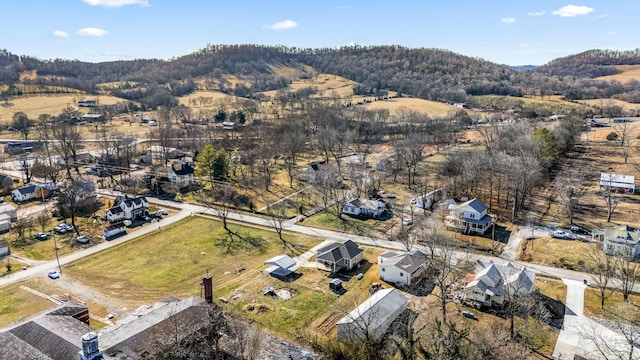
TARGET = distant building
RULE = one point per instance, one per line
(492, 282)
(126, 208)
(365, 208)
(28, 192)
(93, 118)
(182, 174)
(87, 103)
(469, 217)
(401, 268)
(5, 249)
(19, 147)
(620, 240)
(339, 255)
(624, 184)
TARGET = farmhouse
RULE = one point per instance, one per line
(624, 184)
(469, 217)
(5, 250)
(365, 208)
(309, 173)
(28, 192)
(373, 317)
(492, 282)
(182, 174)
(401, 269)
(126, 208)
(339, 255)
(620, 240)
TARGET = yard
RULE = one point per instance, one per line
(570, 254)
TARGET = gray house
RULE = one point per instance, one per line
(339, 255)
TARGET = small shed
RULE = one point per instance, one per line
(4, 248)
(9, 210)
(335, 285)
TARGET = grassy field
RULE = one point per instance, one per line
(13, 300)
(592, 303)
(369, 227)
(627, 73)
(571, 254)
(431, 108)
(170, 262)
(46, 104)
(611, 102)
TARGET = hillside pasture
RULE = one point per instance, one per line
(395, 105)
(34, 106)
(626, 106)
(627, 73)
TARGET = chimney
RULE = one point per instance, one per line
(90, 350)
(207, 283)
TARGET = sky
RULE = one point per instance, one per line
(513, 32)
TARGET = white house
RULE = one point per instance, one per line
(469, 217)
(492, 283)
(621, 240)
(113, 230)
(425, 201)
(373, 317)
(618, 183)
(401, 268)
(365, 208)
(182, 174)
(309, 173)
(28, 192)
(339, 255)
(126, 208)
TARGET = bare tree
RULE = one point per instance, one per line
(624, 129)
(627, 271)
(76, 199)
(602, 271)
(68, 141)
(277, 213)
(449, 270)
(21, 226)
(569, 187)
(292, 144)
(42, 220)
(609, 193)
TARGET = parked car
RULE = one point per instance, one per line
(63, 228)
(162, 212)
(560, 234)
(53, 274)
(41, 236)
(407, 222)
(82, 239)
(578, 230)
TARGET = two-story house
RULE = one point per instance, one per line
(469, 217)
(401, 269)
(126, 208)
(493, 283)
(365, 208)
(182, 174)
(621, 240)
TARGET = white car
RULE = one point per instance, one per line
(162, 212)
(53, 274)
(560, 234)
(407, 222)
(82, 239)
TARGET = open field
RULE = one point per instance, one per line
(592, 304)
(571, 254)
(627, 73)
(431, 108)
(33, 106)
(627, 106)
(169, 263)
(14, 299)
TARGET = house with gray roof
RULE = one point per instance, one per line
(469, 217)
(5, 249)
(373, 317)
(127, 208)
(492, 283)
(365, 208)
(620, 240)
(401, 268)
(339, 255)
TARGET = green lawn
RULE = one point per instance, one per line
(368, 227)
(570, 254)
(13, 302)
(173, 261)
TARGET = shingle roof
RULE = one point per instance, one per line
(409, 262)
(4, 243)
(475, 204)
(182, 169)
(28, 189)
(336, 251)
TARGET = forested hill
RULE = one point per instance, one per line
(433, 74)
(591, 63)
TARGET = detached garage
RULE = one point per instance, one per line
(375, 315)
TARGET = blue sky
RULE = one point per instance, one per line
(514, 32)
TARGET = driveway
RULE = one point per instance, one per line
(584, 337)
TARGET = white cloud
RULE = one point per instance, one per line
(91, 31)
(572, 11)
(116, 3)
(60, 33)
(537, 13)
(508, 20)
(283, 25)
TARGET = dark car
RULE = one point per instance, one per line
(579, 230)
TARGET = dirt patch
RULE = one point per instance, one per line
(285, 294)
(256, 308)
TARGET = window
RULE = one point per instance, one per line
(400, 274)
(382, 269)
(472, 216)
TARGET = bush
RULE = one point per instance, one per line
(612, 136)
